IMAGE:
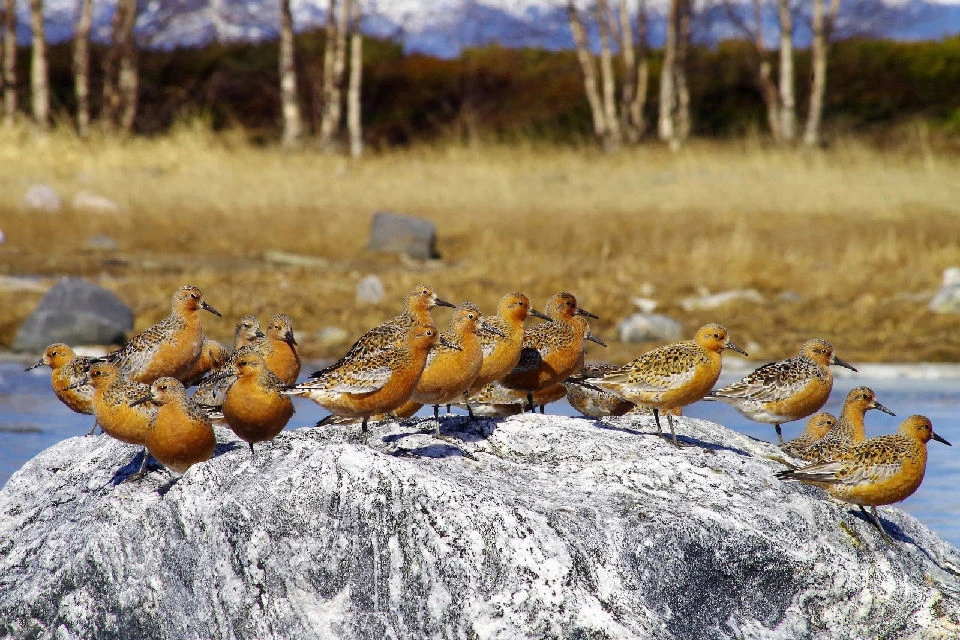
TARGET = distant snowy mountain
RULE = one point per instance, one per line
(445, 27)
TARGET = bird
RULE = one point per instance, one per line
(877, 471)
(785, 390)
(119, 419)
(849, 429)
(280, 352)
(180, 434)
(212, 389)
(213, 355)
(671, 376)
(592, 401)
(496, 400)
(450, 370)
(67, 369)
(254, 407)
(552, 351)
(168, 348)
(377, 378)
(502, 352)
(817, 426)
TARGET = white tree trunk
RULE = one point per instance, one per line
(10, 63)
(333, 107)
(629, 88)
(128, 78)
(81, 66)
(39, 76)
(354, 124)
(683, 126)
(822, 25)
(289, 101)
(788, 109)
(666, 124)
(611, 139)
(588, 70)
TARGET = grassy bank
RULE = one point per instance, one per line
(861, 236)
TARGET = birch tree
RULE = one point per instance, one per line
(674, 121)
(120, 72)
(588, 70)
(788, 108)
(636, 72)
(333, 67)
(289, 100)
(354, 125)
(81, 66)
(752, 32)
(39, 74)
(8, 60)
(822, 27)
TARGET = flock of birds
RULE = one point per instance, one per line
(492, 366)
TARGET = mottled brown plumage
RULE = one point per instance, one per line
(213, 355)
(254, 407)
(592, 401)
(817, 426)
(849, 429)
(180, 434)
(501, 353)
(112, 398)
(876, 471)
(67, 372)
(168, 348)
(786, 390)
(281, 353)
(671, 376)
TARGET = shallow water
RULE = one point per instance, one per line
(32, 419)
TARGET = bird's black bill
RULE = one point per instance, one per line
(146, 398)
(584, 312)
(593, 338)
(730, 345)
(841, 363)
(877, 405)
(38, 363)
(204, 305)
(542, 316)
(940, 439)
(444, 303)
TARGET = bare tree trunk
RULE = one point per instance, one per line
(10, 63)
(326, 91)
(643, 71)
(680, 73)
(788, 108)
(611, 139)
(354, 125)
(588, 70)
(128, 78)
(332, 108)
(39, 77)
(666, 125)
(628, 91)
(110, 109)
(764, 71)
(822, 25)
(289, 102)
(81, 66)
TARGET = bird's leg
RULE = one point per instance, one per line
(543, 409)
(874, 519)
(93, 428)
(252, 452)
(673, 433)
(133, 477)
(363, 428)
(436, 412)
(779, 433)
(656, 418)
(533, 409)
(466, 401)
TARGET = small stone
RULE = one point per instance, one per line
(644, 305)
(76, 312)
(331, 336)
(101, 243)
(370, 290)
(23, 283)
(407, 235)
(643, 327)
(42, 197)
(947, 299)
(94, 203)
(712, 301)
(790, 296)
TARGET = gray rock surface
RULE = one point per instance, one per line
(947, 299)
(408, 235)
(370, 290)
(641, 327)
(42, 197)
(76, 312)
(528, 527)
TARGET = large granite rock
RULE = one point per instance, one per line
(407, 235)
(530, 527)
(76, 312)
(643, 327)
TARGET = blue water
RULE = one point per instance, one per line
(32, 419)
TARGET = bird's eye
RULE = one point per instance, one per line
(717, 336)
(195, 296)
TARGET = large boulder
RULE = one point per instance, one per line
(76, 312)
(643, 327)
(529, 527)
(408, 235)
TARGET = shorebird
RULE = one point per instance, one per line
(67, 369)
(168, 348)
(281, 353)
(876, 471)
(180, 434)
(552, 351)
(496, 400)
(671, 376)
(450, 370)
(213, 355)
(502, 352)
(786, 390)
(817, 426)
(112, 398)
(592, 401)
(212, 389)
(247, 331)
(254, 407)
(849, 429)
(374, 379)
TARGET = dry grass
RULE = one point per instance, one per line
(862, 236)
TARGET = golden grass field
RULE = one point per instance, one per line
(861, 235)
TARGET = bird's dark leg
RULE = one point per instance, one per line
(133, 477)
(533, 409)
(543, 408)
(779, 433)
(252, 452)
(673, 432)
(93, 428)
(466, 401)
(436, 412)
(874, 519)
(656, 418)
